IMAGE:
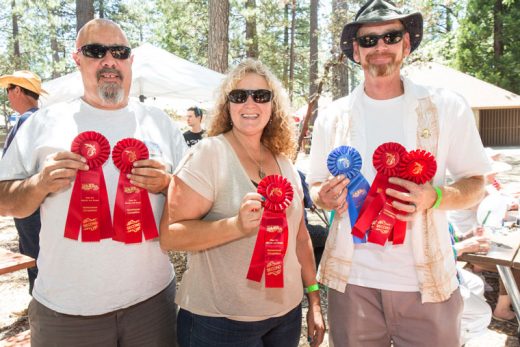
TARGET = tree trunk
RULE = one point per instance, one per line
(498, 42)
(84, 12)
(17, 58)
(218, 37)
(340, 72)
(313, 57)
(251, 37)
(286, 45)
(291, 50)
(101, 9)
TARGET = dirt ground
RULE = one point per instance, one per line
(14, 296)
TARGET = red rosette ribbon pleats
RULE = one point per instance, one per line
(133, 214)
(272, 238)
(89, 210)
(386, 160)
(418, 166)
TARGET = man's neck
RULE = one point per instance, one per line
(26, 107)
(196, 129)
(384, 88)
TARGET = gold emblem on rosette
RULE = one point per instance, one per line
(382, 226)
(133, 226)
(273, 268)
(91, 150)
(89, 186)
(131, 189)
(276, 192)
(90, 224)
(391, 159)
(131, 156)
(417, 168)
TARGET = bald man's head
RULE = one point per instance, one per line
(103, 57)
(89, 30)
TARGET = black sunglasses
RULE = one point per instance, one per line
(390, 38)
(260, 96)
(98, 51)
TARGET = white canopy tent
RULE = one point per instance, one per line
(156, 73)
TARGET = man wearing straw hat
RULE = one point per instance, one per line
(23, 91)
(406, 292)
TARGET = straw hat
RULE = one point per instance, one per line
(377, 11)
(25, 79)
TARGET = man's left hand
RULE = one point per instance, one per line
(419, 197)
(151, 175)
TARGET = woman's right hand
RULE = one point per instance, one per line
(249, 214)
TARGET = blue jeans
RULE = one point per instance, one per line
(29, 241)
(199, 331)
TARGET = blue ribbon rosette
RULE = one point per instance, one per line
(346, 160)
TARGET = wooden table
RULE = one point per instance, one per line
(504, 254)
(10, 261)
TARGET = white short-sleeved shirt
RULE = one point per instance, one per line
(91, 278)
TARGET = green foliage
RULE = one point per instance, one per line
(475, 53)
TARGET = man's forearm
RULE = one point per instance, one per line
(465, 193)
(20, 198)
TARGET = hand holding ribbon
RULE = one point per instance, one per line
(346, 160)
(150, 174)
(272, 238)
(133, 214)
(88, 207)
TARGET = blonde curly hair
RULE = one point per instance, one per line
(278, 135)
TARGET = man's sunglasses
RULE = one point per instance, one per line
(260, 96)
(98, 51)
(390, 38)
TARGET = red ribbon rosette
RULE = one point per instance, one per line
(386, 159)
(418, 166)
(271, 241)
(133, 214)
(88, 207)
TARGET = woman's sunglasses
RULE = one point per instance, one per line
(98, 51)
(390, 38)
(260, 96)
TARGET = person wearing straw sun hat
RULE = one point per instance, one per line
(406, 292)
(23, 91)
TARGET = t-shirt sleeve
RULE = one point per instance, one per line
(466, 156)
(198, 169)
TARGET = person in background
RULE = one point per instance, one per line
(406, 293)
(194, 120)
(215, 214)
(23, 92)
(104, 293)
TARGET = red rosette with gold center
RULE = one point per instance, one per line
(387, 157)
(418, 166)
(272, 237)
(89, 210)
(126, 152)
(277, 191)
(133, 214)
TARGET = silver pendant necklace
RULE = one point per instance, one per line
(261, 172)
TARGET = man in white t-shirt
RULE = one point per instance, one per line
(406, 293)
(104, 293)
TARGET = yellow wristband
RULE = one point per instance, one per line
(439, 197)
(312, 288)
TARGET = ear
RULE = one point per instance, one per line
(407, 47)
(355, 52)
(75, 57)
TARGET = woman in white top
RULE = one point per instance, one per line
(215, 213)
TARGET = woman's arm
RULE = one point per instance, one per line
(305, 254)
(182, 227)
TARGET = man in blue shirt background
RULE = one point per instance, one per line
(23, 91)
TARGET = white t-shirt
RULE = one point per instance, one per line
(91, 278)
(391, 267)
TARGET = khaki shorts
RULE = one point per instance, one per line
(370, 317)
(148, 323)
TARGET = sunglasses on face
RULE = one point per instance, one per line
(98, 51)
(390, 38)
(260, 96)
